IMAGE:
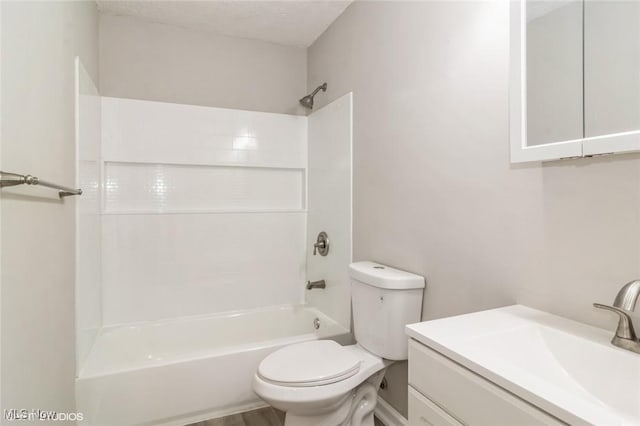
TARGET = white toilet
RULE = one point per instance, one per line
(321, 383)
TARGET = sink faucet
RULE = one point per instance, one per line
(624, 304)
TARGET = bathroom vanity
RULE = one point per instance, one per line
(517, 365)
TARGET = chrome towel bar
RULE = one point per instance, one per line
(13, 179)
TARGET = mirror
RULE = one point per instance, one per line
(575, 78)
(554, 71)
(612, 67)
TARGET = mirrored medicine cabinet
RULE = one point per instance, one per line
(574, 78)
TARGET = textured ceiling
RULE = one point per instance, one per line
(291, 22)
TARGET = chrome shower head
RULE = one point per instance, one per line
(307, 101)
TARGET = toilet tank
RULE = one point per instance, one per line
(384, 300)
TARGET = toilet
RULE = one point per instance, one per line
(321, 383)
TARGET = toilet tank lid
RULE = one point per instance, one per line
(382, 276)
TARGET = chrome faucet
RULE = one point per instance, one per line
(316, 284)
(322, 244)
(623, 305)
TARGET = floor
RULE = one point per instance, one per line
(263, 417)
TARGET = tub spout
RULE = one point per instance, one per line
(316, 284)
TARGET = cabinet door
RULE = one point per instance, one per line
(471, 398)
(423, 412)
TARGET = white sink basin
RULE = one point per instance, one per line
(565, 368)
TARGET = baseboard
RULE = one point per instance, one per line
(389, 415)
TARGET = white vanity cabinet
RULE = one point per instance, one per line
(518, 366)
(442, 392)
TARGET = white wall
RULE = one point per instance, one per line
(159, 62)
(39, 43)
(434, 192)
(329, 207)
(204, 209)
(88, 262)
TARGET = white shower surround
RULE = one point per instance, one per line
(204, 210)
(329, 205)
(88, 274)
(199, 251)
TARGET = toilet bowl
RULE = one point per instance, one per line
(321, 383)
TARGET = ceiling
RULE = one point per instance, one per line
(289, 22)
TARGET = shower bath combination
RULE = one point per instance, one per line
(307, 101)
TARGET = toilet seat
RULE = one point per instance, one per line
(304, 400)
(315, 363)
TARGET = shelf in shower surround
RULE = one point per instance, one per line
(202, 164)
(160, 188)
(221, 211)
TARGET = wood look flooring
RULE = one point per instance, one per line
(262, 417)
(267, 416)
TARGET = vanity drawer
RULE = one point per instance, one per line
(423, 412)
(469, 397)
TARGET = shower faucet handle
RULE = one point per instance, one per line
(322, 244)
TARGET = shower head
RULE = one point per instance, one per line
(307, 101)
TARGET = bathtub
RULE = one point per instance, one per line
(179, 371)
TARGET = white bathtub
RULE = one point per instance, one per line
(174, 372)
